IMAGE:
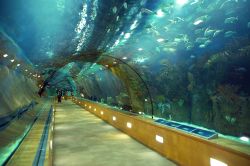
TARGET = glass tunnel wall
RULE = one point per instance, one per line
(99, 84)
(194, 55)
(18, 88)
(137, 89)
(181, 60)
(109, 80)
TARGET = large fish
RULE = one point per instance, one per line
(231, 20)
(201, 40)
(230, 33)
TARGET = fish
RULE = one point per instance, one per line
(147, 11)
(125, 5)
(201, 40)
(192, 56)
(231, 20)
(217, 32)
(209, 32)
(189, 47)
(157, 49)
(194, 2)
(171, 44)
(168, 9)
(183, 36)
(198, 31)
(207, 42)
(230, 11)
(169, 49)
(166, 28)
(177, 40)
(229, 33)
(149, 26)
(226, 53)
(197, 22)
(228, 3)
(241, 69)
(202, 46)
(202, 19)
(178, 19)
(114, 9)
(248, 24)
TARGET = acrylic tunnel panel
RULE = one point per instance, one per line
(18, 87)
(109, 80)
(196, 61)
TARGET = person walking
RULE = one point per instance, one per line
(59, 96)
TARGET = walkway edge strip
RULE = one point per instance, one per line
(41, 151)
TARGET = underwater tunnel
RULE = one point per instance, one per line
(125, 82)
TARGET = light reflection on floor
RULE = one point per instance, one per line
(81, 138)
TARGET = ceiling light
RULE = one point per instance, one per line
(140, 49)
(18, 65)
(124, 58)
(12, 60)
(5, 55)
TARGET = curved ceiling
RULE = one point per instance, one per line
(53, 33)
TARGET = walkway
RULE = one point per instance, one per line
(81, 138)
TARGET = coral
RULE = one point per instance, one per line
(227, 101)
(231, 110)
(191, 81)
(160, 99)
(123, 99)
(228, 93)
(110, 100)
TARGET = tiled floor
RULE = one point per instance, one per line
(81, 138)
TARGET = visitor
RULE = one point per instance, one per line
(59, 96)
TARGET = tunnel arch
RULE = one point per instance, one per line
(138, 90)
